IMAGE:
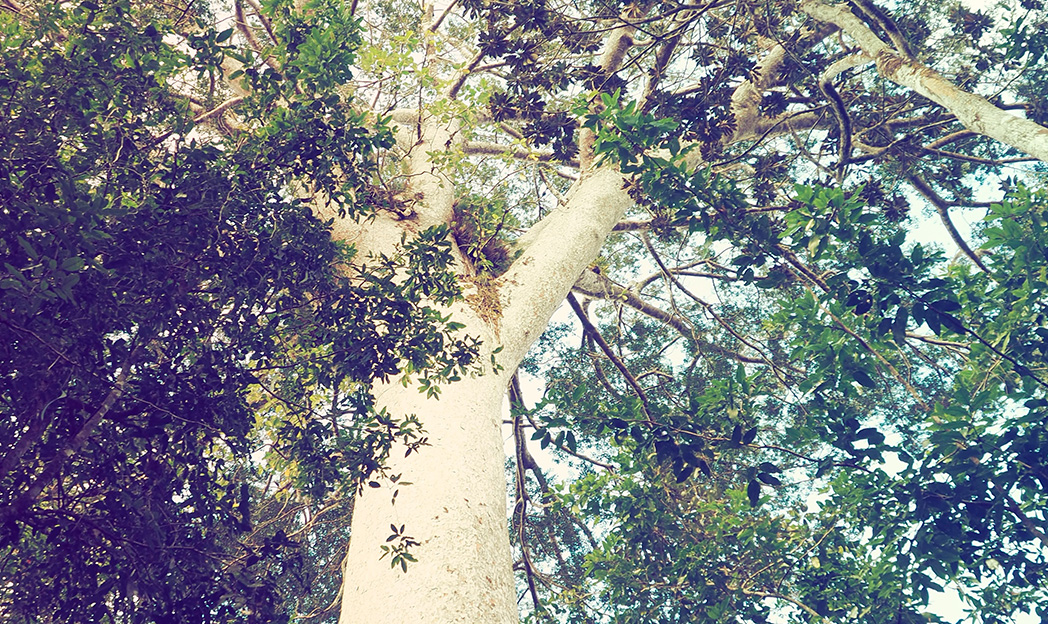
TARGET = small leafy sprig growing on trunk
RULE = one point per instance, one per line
(399, 553)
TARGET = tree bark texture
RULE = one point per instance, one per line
(455, 505)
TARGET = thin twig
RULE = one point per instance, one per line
(944, 214)
(588, 327)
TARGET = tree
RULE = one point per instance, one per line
(166, 309)
(726, 187)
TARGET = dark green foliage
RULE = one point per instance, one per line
(167, 307)
(844, 420)
(478, 226)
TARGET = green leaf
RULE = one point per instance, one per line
(753, 492)
(740, 377)
(72, 264)
(863, 379)
(899, 325)
(28, 248)
(946, 305)
(736, 435)
(768, 479)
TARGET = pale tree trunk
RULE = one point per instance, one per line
(455, 505)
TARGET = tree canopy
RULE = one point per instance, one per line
(776, 397)
(170, 309)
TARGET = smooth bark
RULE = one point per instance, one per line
(972, 110)
(455, 505)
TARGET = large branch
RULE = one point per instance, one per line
(514, 151)
(568, 239)
(618, 43)
(746, 99)
(973, 111)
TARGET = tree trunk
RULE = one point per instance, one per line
(455, 505)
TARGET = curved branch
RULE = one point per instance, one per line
(520, 507)
(839, 110)
(746, 98)
(950, 138)
(944, 214)
(886, 24)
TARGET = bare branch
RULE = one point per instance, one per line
(456, 85)
(12, 6)
(877, 354)
(619, 41)
(440, 19)
(950, 138)
(514, 151)
(599, 286)
(1017, 511)
(713, 313)
(944, 214)
(588, 327)
(218, 110)
(520, 507)
(633, 226)
(670, 41)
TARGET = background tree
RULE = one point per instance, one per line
(725, 188)
(168, 310)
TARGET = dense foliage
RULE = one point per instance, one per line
(169, 309)
(777, 400)
(796, 408)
